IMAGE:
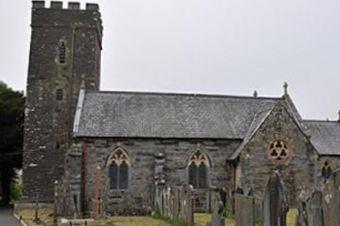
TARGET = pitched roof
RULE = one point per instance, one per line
(259, 118)
(325, 136)
(162, 115)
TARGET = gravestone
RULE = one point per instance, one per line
(330, 202)
(217, 206)
(275, 201)
(314, 210)
(175, 202)
(244, 210)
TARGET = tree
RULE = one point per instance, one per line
(11, 137)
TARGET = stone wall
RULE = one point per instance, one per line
(298, 172)
(144, 170)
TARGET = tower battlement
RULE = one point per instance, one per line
(59, 5)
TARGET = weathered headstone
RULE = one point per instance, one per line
(330, 203)
(275, 201)
(314, 210)
(217, 206)
(175, 202)
(244, 210)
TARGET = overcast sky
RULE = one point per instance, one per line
(205, 46)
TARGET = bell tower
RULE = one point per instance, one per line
(65, 51)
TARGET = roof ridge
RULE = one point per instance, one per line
(186, 94)
(319, 120)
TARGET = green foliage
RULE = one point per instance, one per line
(15, 190)
(259, 222)
(173, 222)
(11, 137)
(228, 212)
(11, 124)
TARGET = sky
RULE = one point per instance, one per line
(228, 47)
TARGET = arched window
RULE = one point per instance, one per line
(118, 163)
(326, 171)
(62, 52)
(198, 170)
(59, 93)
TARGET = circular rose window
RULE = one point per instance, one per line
(278, 151)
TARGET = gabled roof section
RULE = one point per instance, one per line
(261, 117)
(325, 136)
(258, 120)
(163, 115)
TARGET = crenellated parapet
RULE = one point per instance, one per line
(60, 5)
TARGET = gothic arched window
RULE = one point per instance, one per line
(118, 163)
(326, 171)
(198, 170)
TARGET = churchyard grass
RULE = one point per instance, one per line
(201, 219)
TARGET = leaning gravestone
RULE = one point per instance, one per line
(244, 210)
(275, 202)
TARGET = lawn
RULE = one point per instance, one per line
(201, 219)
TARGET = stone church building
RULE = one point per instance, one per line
(112, 147)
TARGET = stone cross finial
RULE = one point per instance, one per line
(285, 87)
(255, 93)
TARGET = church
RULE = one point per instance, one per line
(112, 147)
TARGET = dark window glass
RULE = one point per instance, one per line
(202, 176)
(113, 175)
(193, 175)
(123, 175)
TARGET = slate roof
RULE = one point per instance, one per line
(325, 136)
(162, 115)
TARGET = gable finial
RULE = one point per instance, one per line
(255, 94)
(285, 87)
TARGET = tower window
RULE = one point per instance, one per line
(118, 163)
(59, 94)
(198, 170)
(62, 53)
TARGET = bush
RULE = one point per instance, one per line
(15, 191)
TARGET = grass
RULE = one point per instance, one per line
(138, 221)
(45, 215)
(201, 219)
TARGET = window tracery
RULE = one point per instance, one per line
(198, 170)
(279, 152)
(118, 163)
